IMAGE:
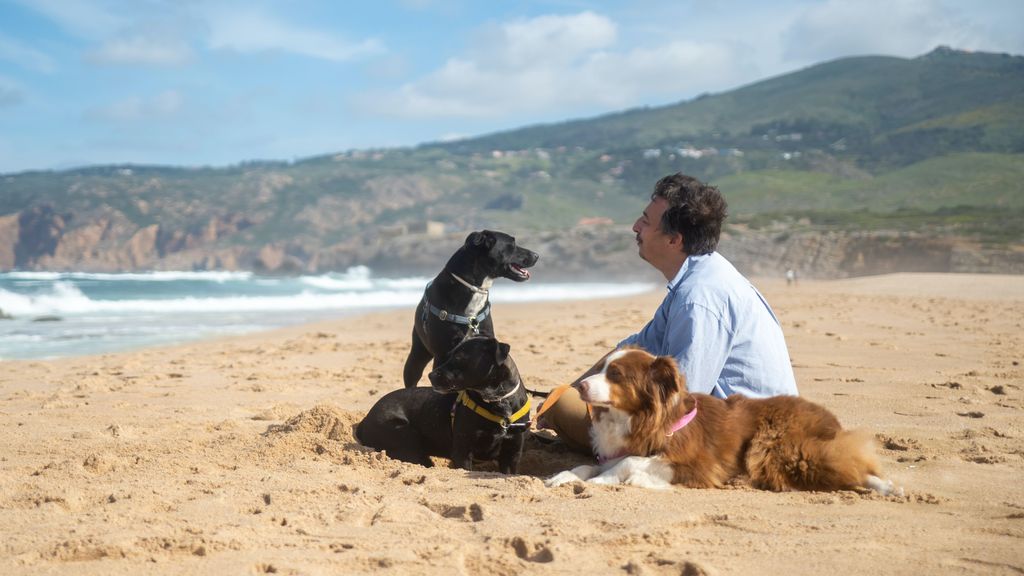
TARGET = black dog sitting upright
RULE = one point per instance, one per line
(455, 304)
(476, 409)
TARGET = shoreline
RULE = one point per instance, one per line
(236, 455)
(134, 323)
(998, 287)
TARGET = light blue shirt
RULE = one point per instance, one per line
(721, 331)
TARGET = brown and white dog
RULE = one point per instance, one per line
(649, 431)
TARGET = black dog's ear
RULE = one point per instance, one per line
(501, 352)
(665, 377)
(483, 238)
(474, 239)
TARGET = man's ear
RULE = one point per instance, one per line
(678, 241)
(665, 377)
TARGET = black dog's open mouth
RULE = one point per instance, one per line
(518, 273)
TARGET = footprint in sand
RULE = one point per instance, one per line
(531, 552)
(472, 513)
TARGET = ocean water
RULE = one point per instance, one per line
(64, 314)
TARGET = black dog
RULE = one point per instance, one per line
(477, 409)
(455, 304)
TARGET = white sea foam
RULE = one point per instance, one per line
(155, 276)
(111, 312)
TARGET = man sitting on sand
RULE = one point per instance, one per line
(713, 321)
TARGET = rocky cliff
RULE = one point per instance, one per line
(43, 237)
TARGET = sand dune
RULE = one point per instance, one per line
(236, 456)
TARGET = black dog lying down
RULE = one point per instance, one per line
(455, 304)
(477, 408)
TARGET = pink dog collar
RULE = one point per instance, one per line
(686, 419)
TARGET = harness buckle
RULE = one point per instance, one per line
(443, 315)
(474, 324)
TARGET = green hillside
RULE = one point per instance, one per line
(876, 110)
(934, 142)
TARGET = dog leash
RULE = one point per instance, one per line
(551, 398)
(477, 289)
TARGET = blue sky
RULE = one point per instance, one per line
(191, 82)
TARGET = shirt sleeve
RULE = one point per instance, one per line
(650, 336)
(700, 342)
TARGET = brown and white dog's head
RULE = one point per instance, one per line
(633, 397)
(632, 380)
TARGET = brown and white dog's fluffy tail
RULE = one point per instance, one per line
(844, 462)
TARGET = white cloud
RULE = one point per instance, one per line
(143, 49)
(553, 63)
(838, 28)
(84, 18)
(137, 108)
(544, 40)
(159, 33)
(18, 53)
(251, 31)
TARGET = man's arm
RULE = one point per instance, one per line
(643, 339)
(700, 342)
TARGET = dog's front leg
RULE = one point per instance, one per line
(462, 455)
(577, 474)
(637, 471)
(510, 453)
(419, 357)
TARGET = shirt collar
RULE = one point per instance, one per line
(679, 275)
(688, 264)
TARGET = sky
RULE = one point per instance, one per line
(219, 82)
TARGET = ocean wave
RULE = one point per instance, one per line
(154, 276)
(65, 298)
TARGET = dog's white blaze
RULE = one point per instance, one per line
(608, 434)
(596, 386)
(613, 357)
(596, 389)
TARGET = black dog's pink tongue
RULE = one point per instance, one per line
(522, 271)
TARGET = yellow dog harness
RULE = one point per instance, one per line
(503, 421)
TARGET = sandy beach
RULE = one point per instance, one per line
(236, 456)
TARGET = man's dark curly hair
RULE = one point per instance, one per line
(696, 210)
